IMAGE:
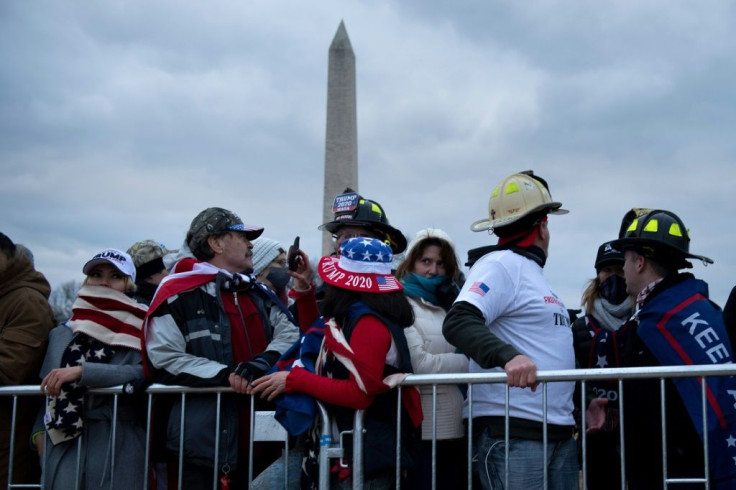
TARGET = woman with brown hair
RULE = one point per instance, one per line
(430, 275)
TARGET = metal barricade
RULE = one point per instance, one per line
(583, 375)
(331, 449)
(263, 427)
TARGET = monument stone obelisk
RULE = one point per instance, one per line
(341, 137)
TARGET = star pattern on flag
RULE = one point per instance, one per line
(64, 416)
(366, 250)
(602, 362)
(731, 441)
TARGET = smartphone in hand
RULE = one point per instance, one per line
(293, 258)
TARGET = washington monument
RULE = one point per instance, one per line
(341, 138)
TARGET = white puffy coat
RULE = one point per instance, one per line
(431, 353)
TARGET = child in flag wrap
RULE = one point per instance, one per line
(362, 356)
(98, 347)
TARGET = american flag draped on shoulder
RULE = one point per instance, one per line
(681, 327)
(296, 411)
(187, 274)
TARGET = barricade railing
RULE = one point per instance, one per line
(583, 375)
(330, 449)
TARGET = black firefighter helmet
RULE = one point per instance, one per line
(352, 209)
(659, 235)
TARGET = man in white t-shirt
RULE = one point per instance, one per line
(507, 318)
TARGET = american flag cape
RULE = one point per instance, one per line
(186, 275)
(669, 326)
(296, 411)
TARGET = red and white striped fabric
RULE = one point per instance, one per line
(337, 344)
(109, 316)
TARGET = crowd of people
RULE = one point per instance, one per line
(232, 308)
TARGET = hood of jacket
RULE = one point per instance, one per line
(19, 273)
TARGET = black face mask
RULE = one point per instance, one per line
(278, 277)
(613, 289)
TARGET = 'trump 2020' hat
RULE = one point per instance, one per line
(352, 209)
(364, 265)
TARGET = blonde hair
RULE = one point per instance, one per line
(589, 294)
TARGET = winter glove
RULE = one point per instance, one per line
(259, 366)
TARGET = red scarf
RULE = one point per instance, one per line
(524, 239)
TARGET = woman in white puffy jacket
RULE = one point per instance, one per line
(430, 274)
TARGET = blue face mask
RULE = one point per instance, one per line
(613, 289)
(278, 277)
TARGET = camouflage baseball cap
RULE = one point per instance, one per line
(146, 251)
(214, 221)
(148, 257)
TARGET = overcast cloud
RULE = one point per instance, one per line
(121, 120)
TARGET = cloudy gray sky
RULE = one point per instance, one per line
(121, 120)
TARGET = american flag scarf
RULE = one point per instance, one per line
(102, 320)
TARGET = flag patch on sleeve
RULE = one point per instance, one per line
(479, 288)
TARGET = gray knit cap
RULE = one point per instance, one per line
(265, 250)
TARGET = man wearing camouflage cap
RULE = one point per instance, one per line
(207, 326)
(148, 258)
